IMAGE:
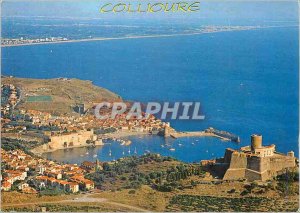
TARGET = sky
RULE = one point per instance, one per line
(277, 11)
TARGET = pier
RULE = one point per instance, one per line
(210, 132)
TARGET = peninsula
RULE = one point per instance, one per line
(7, 42)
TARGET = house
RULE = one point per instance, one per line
(16, 175)
(55, 174)
(29, 190)
(6, 186)
(88, 166)
(63, 184)
(88, 184)
(23, 186)
(42, 181)
(73, 187)
(83, 183)
(40, 169)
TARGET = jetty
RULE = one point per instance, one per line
(210, 132)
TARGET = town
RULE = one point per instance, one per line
(24, 41)
(30, 174)
(28, 132)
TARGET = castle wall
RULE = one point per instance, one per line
(234, 174)
(237, 166)
(252, 175)
(258, 164)
(70, 140)
(227, 155)
(281, 162)
(238, 160)
(255, 168)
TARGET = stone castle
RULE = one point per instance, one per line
(255, 162)
(75, 139)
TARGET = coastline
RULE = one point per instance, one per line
(118, 135)
(141, 36)
(123, 134)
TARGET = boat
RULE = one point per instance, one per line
(129, 150)
(180, 144)
(81, 155)
(147, 151)
(172, 149)
(162, 145)
(95, 156)
(87, 153)
(123, 152)
(193, 143)
(135, 152)
(109, 152)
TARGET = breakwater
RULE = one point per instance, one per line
(210, 132)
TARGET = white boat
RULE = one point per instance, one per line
(180, 144)
(109, 152)
(135, 152)
(162, 145)
(95, 156)
(81, 155)
(172, 149)
(86, 153)
(129, 150)
(193, 143)
(147, 151)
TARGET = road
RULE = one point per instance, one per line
(81, 199)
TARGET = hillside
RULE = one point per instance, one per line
(58, 95)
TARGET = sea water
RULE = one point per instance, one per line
(246, 81)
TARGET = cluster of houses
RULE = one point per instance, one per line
(9, 97)
(68, 123)
(19, 41)
(32, 174)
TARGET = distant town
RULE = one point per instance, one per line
(22, 41)
(207, 29)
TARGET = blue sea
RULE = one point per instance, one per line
(246, 81)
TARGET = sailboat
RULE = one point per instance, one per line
(135, 152)
(129, 150)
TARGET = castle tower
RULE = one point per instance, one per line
(256, 142)
(166, 131)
